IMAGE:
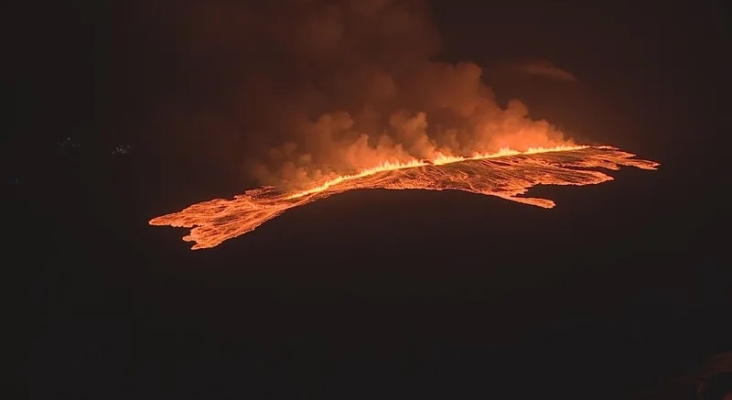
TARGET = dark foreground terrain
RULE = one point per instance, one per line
(621, 291)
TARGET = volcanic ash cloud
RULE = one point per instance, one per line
(321, 88)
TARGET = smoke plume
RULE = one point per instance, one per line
(321, 87)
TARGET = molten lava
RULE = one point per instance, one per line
(507, 174)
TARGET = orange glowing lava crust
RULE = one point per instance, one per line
(506, 174)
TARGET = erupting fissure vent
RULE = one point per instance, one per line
(506, 174)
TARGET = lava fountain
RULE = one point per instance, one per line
(507, 174)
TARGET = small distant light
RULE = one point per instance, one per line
(121, 149)
(67, 144)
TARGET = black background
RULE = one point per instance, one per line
(616, 290)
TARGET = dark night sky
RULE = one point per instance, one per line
(621, 286)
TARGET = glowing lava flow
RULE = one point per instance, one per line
(506, 174)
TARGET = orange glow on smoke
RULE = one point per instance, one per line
(506, 174)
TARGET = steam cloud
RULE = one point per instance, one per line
(329, 87)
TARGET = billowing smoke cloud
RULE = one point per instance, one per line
(330, 87)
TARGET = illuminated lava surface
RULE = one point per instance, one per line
(507, 174)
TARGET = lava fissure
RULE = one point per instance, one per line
(218, 220)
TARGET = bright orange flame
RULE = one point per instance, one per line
(506, 174)
(440, 159)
